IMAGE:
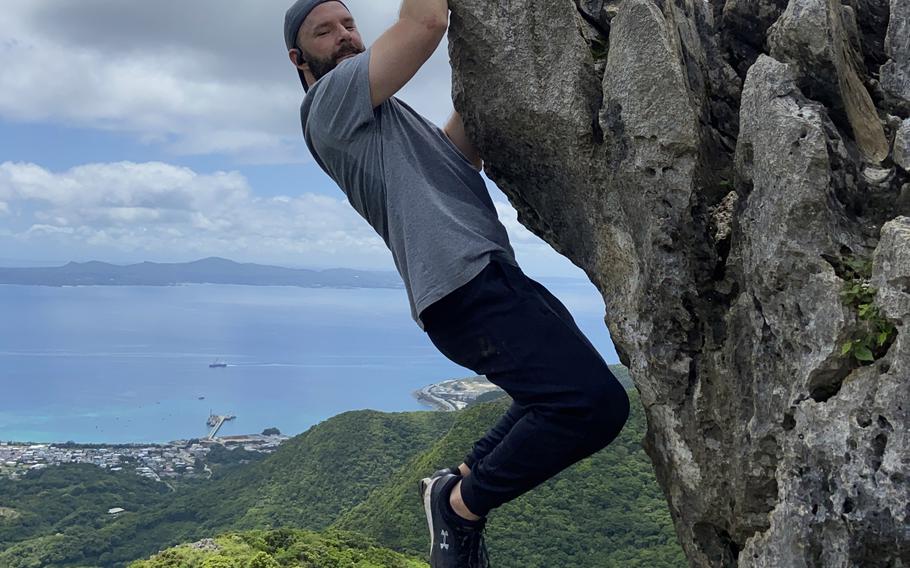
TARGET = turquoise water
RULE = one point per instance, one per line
(130, 364)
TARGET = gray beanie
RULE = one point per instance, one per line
(294, 18)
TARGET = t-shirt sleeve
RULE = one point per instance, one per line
(344, 105)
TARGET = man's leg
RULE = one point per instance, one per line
(491, 439)
(480, 449)
(507, 327)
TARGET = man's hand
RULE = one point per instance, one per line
(454, 129)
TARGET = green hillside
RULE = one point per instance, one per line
(355, 472)
(62, 511)
(605, 511)
(307, 483)
(279, 548)
(621, 372)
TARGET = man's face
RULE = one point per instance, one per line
(327, 36)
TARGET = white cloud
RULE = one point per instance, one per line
(201, 77)
(46, 230)
(156, 209)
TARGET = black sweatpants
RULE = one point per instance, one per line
(566, 402)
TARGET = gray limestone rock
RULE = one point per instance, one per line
(814, 37)
(205, 544)
(901, 151)
(722, 200)
(895, 74)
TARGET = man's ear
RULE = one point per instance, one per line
(297, 58)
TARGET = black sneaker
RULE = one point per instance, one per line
(453, 544)
(447, 470)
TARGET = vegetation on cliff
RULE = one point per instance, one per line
(280, 548)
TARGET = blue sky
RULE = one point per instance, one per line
(169, 131)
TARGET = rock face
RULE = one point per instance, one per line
(727, 175)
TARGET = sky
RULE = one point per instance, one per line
(169, 131)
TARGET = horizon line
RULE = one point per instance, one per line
(31, 263)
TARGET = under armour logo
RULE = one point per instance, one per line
(444, 544)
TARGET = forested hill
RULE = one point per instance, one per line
(280, 548)
(61, 512)
(356, 473)
(605, 511)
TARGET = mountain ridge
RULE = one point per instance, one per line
(209, 270)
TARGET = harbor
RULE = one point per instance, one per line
(455, 394)
(177, 458)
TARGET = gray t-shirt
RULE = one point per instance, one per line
(407, 179)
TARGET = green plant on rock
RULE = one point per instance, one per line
(598, 48)
(874, 331)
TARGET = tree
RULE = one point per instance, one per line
(263, 560)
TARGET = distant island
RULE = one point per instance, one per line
(212, 270)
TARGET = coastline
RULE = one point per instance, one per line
(178, 458)
(455, 394)
(426, 396)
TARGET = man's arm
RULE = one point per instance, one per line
(405, 47)
(455, 131)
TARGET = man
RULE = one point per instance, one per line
(419, 187)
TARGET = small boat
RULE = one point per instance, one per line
(217, 363)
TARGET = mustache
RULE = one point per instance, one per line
(352, 50)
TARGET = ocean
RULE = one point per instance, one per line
(124, 364)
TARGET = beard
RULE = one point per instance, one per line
(319, 66)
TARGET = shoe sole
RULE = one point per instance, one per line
(425, 486)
